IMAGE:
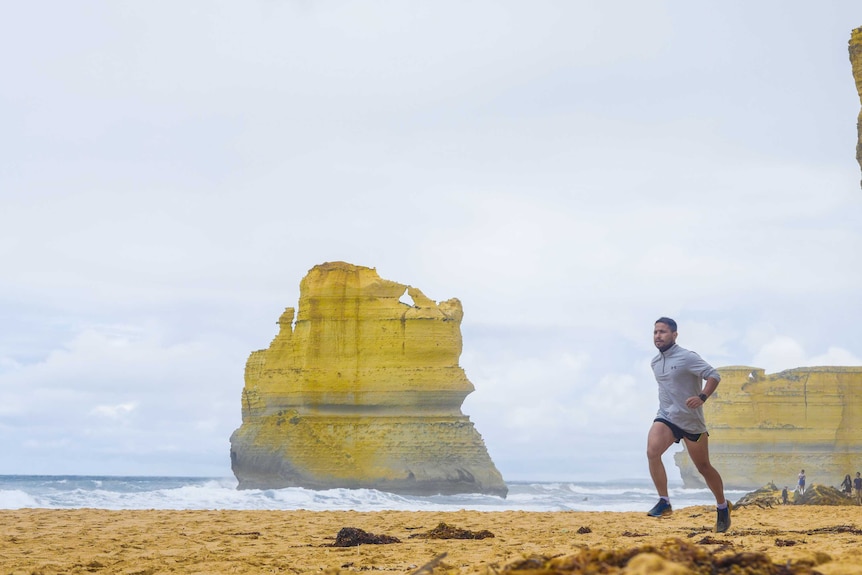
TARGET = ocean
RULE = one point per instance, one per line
(111, 492)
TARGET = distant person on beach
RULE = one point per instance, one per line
(784, 495)
(681, 394)
(801, 485)
(857, 485)
(847, 485)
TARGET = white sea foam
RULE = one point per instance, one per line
(221, 493)
(15, 499)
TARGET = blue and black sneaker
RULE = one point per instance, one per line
(722, 522)
(661, 509)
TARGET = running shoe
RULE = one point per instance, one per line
(661, 509)
(722, 523)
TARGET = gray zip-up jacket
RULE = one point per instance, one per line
(680, 374)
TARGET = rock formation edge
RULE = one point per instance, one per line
(855, 48)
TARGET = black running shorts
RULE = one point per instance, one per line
(678, 433)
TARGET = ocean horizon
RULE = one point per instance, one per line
(220, 493)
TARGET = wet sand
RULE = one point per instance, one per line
(149, 542)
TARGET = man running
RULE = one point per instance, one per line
(680, 374)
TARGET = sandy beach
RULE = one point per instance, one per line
(148, 542)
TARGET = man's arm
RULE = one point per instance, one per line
(711, 384)
(697, 366)
(695, 401)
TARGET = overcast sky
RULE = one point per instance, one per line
(169, 171)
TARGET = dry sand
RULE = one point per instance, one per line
(42, 541)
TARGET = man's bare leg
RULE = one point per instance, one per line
(699, 453)
(659, 439)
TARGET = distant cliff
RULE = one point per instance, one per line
(765, 428)
(362, 391)
(856, 62)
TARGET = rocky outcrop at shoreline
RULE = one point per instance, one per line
(771, 495)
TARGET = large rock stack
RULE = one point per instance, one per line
(362, 391)
(766, 428)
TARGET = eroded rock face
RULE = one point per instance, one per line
(361, 391)
(766, 428)
(856, 62)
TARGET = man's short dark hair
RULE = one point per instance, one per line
(668, 322)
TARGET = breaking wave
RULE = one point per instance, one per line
(104, 492)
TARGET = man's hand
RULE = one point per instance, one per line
(694, 402)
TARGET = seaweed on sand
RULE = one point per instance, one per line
(353, 536)
(446, 531)
(650, 558)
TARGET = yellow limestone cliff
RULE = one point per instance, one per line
(766, 428)
(856, 62)
(361, 391)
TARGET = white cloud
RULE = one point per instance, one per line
(183, 398)
(114, 411)
(784, 352)
(780, 353)
(835, 356)
(615, 402)
(59, 443)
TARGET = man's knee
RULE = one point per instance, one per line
(653, 453)
(656, 446)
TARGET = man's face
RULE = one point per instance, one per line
(663, 337)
